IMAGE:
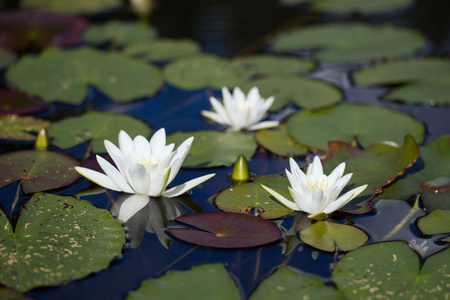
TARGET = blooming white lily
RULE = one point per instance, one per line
(315, 193)
(143, 167)
(240, 112)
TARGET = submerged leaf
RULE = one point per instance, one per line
(53, 235)
(436, 222)
(226, 230)
(17, 128)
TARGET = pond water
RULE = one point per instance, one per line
(232, 28)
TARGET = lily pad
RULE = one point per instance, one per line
(15, 102)
(204, 282)
(272, 65)
(428, 176)
(72, 7)
(38, 170)
(119, 33)
(162, 50)
(377, 165)
(213, 148)
(365, 123)
(392, 270)
(95, 126)
(17, 128)
(304, 92)
(65, 75)
(286, 283)
(423, 80)
(436, 222)
(327, 236)
(351, 43)
(278, 141)
(9, 294)
(53, 235)
(20, 29)
(6, 58)
(226, 230)
(358, 6)
(204, 71)
(245, 197)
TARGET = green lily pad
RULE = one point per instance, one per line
(38, 170)
(6, 58)
(429, 177)
(72, 7)
(119, 33)
(204, 282)
(65, 75)
(162, 50)
(392, 270)
(245, 197)
(424, 80)
(204, 71)
(304, 92)
(278, 141)
(345, 122)
(327, 236)
(52, 236)
(226, 230)
(17, 128)
(271, 65)
(377, 165)
(436, 222)
(9, 294)
(286, 283)
(358, 6)
(351, 43)
(95, 126)
(213, 148)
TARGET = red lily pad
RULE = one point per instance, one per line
(15, 102)
(377, 166)
(22, 28)
(38, 170)
(226, 230)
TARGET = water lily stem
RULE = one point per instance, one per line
(404, 220)
(16, 197)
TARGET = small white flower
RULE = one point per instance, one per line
(240, 112)
(315, 193)
(143, 167)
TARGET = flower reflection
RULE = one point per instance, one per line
(290, 238)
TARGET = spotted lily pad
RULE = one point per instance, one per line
(286, 283)
(226, 230)
(392, 270)
(204, 282)
(38, 170)
(119, 33)
(245, 197)
(377, 165)
(278, 141)
(351, 43)
(436, 222)
(204, 71)
(6, 58)
(20, 29)
(429, 176)
(72, 7)
(347, 122)
(95, 126)
(65, 75)
(358, 6)
(327, 236)
(52, 236)
(423, 80)
(304, 92)
(17, 128)
(162, 50)
(213, 148)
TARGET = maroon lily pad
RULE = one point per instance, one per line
(22, 28)
(92, 163)
(226, 230)
(38, 170)
(15, 102)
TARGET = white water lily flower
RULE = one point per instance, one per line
(241, 112)
(143, 167)
(315, 193)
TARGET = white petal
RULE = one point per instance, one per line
(138, 178)
(125, 143)
(336, 174)
(114, 175)
(98, 178)
(315, 169)
(113, 150)
(179, 157)
(213, 116)
(344, 199)
(220, 109)
(280, 198)
(253, 94)
(183, 188)
(340, 185)
(297, 172)
(131, 206)
(265, 124)
(159, 184)
(300, 200)
(316, 201)
(158, 142)
(295, 184)
(141, 148)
